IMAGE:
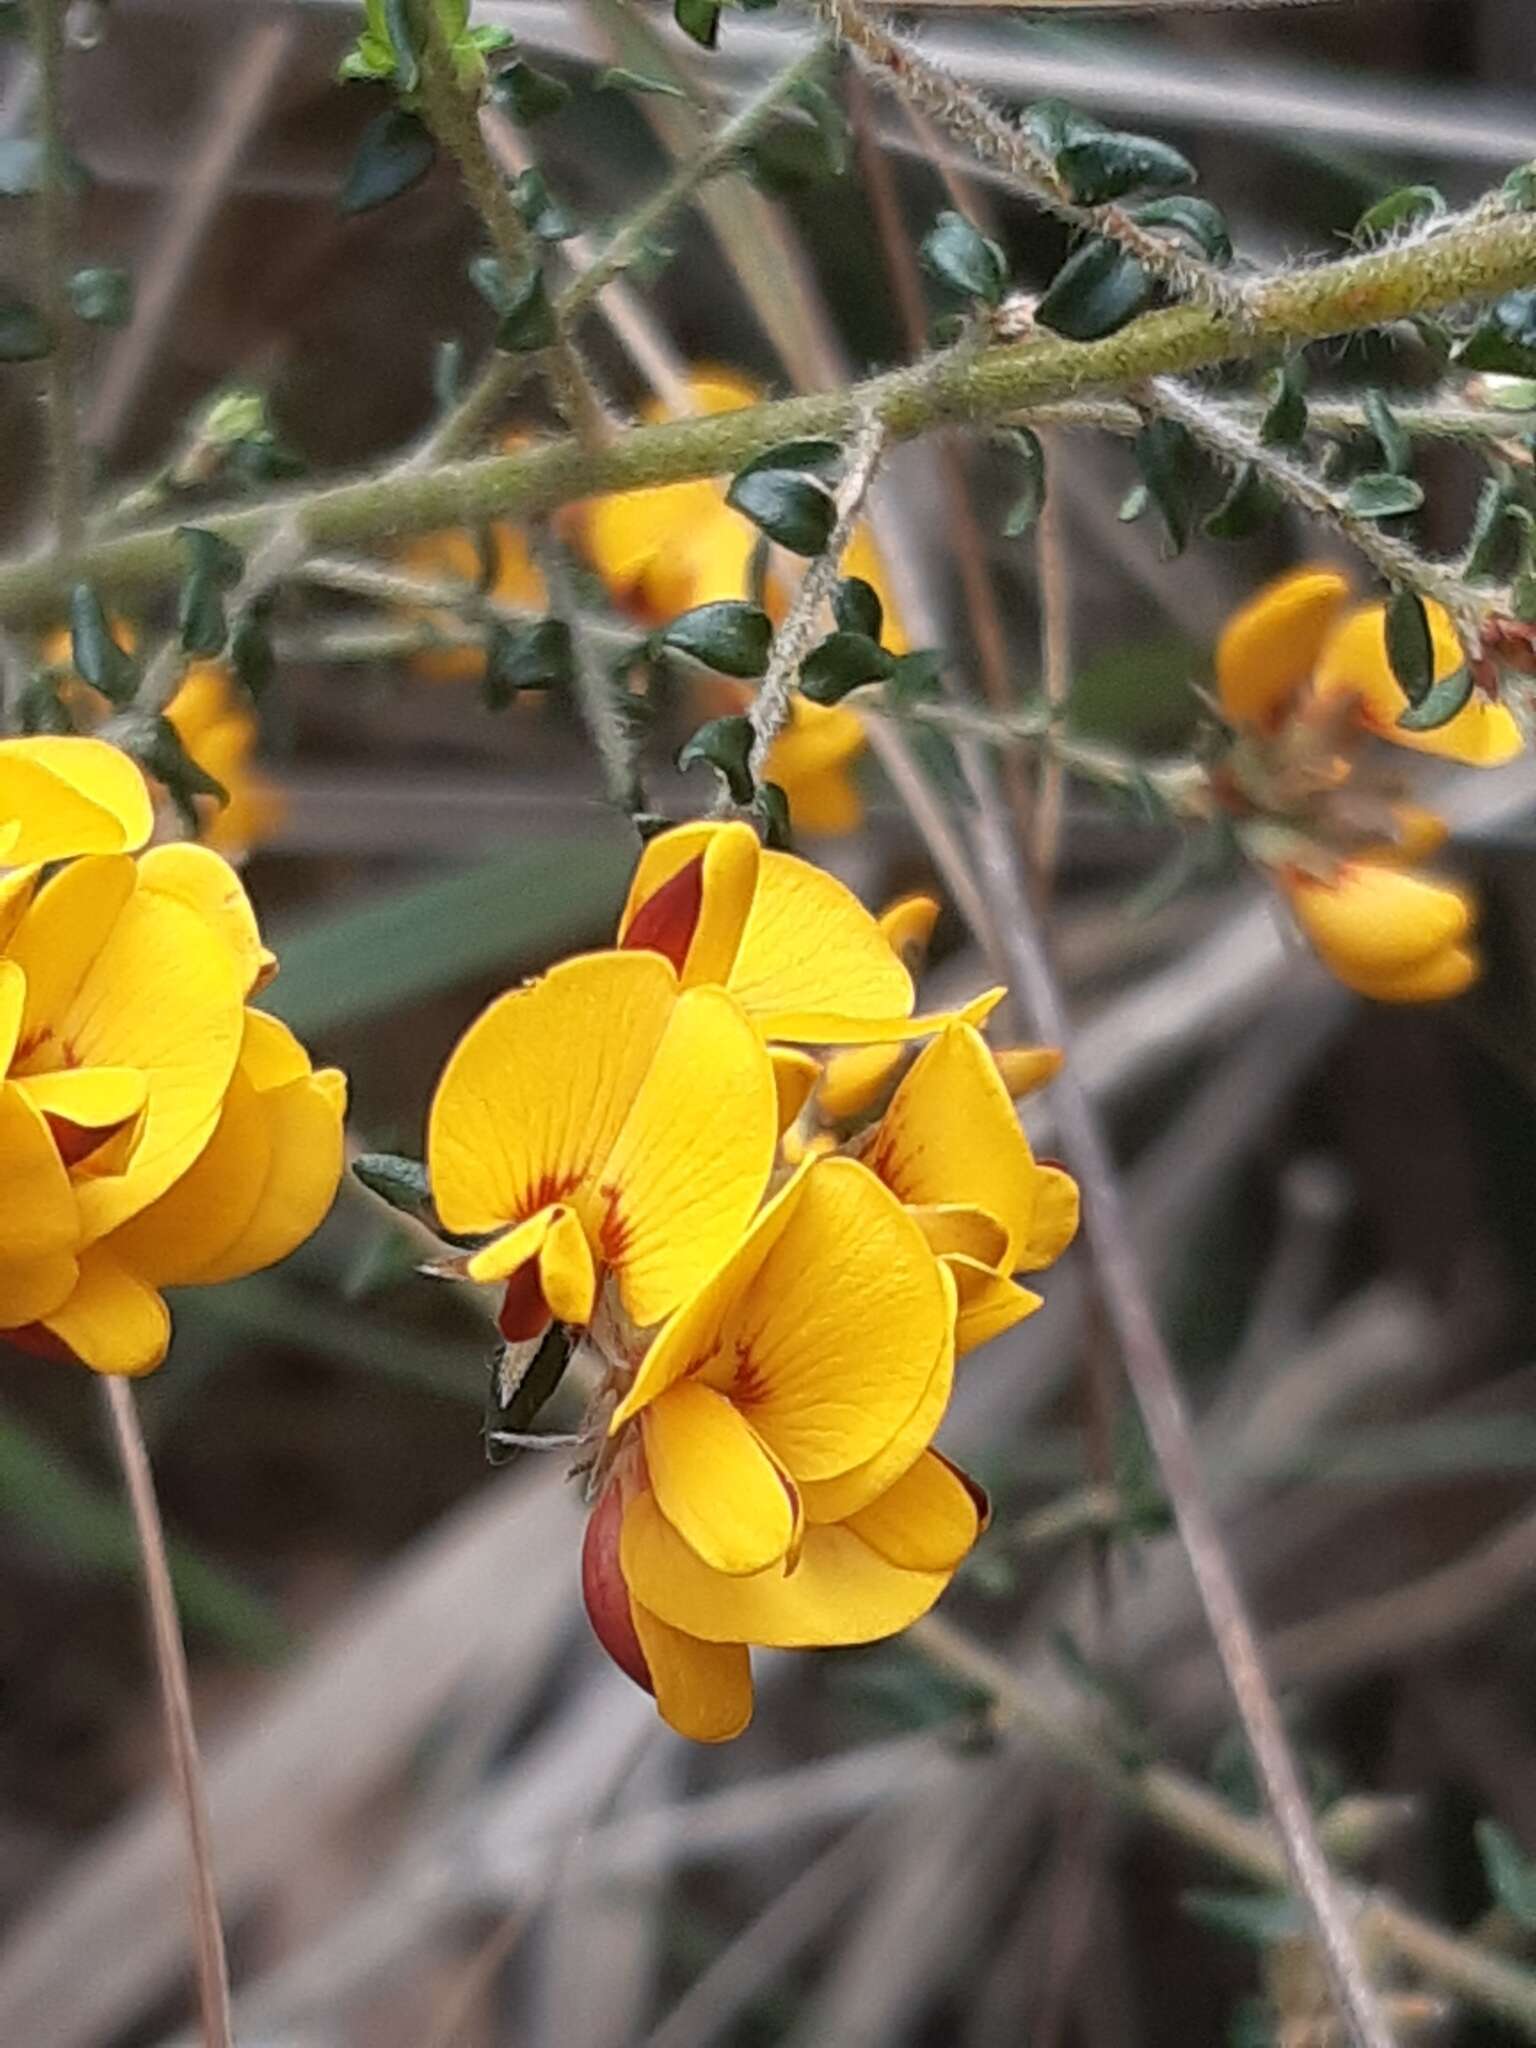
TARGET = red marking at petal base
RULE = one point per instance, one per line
(524, 1311)
(666, 922)
(605, 1593)
(76, 1142)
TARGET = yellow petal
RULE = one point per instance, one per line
(691, 896)
(987, 1303)
(1377, 920)
(1419, 833)
(855, 1082)
(269, 1052)
(207, 1208)
(810, 945)
(38, 1214)
(908, 925)
(62, 932)
(1058, 1210)
(842, 1590)
(71, 795)
(1354, 664)
(689, 1166)
(957, 1227)
(112, 1321)
(96, 1115)
(1025, 1068)
(833, 1500)
(567, 1279)
(209, 886)
(715, 1482)
(795, 1075)
(535, 1092)
(16, 892)
(1271, 646)
(810, 761)
(1435, 980)
(32, 1289)
(703, 1690)
(13, 1007)
(927, 1521)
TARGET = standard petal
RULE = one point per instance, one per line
(112, 1321)
(38, 1214)
(1354, 663)
(841, 1591)
(689, 1166)
(209, 886)
(62, 931)
(715, 1482)
(71, 795)
(690, 898)
(537, 1089)
(987, 1303)
(927, 1521)
(811, 946)
(833, 1500)
(1270, 646)
(703, 1690)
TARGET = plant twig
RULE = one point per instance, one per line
(1054, 581)
(603, 712)
(52, 219)
(176, 1705)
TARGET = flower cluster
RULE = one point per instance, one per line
(155, 1129)
(1305, 679)
(774, 1255)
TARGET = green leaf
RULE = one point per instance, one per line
(791, 508)
(791, 157)
(1249, 504)
(1396, 449)
(1493, 546)
(251, 654)
(818, 455)
(1098, 168)
(917, 678)
(395, 152)
(527, 321)
(103, 295)
(158, 747)
(843, 662)
(770, 807)
(856, 607)
(1284, 424)
(1165, 454)
(24, 335)
(1202, 225)
(1095, 292)
(1404, 208)
(619, 78)
(1027, 506)
(1410, 650)
(533, 656)
(965, 259)
(1258, 1917)
(699, 19)
(1519, 188)
(401, 33)
(729, 636)
(726, 744)
(1054, 123)
(541, 215)
(1505, 338)
(97, 658)
(1440, 705)
(1380, 495)
(40, 708)
(397, 1180)
(213, 567)
(1510, 1872)
(529, 95)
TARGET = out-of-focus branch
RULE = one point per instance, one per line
(46, 19)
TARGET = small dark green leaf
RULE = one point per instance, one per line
(1098, 168)
(531, 656)
(618, 78)
(1410, 649)
(213, 567)
(730, 636)
(251, 654)
(527, 320)
(1165, 454)
(1510, 1872)
(1259, 1917)
(1522, 597)
(856, 607)
(1505, 338)
(917, 678)
(1440, 705)
(1519, 189)
(1391, 437)
(1248, 505)
(97, 658)
(1202, 225)
(819, 456)
(790, 508)
(1493, 546)
(212, 555)
(965, 259)
(40, 708)
(529, 95)
(1026, 507)
(726, 744)
(843, 662)
(1284, 424)
(401, 31)
(1380, 495)
(1404, 208)
(397, 1180)
(1095, 292)
(395, 152)
(699, 19)
(156, 744)
(770, 807)
(24, 335)
(542, 215)
(103, 295)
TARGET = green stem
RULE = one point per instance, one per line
(1477, 261)
(53, 214)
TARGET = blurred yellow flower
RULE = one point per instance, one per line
(454, 557)
(1386, 934)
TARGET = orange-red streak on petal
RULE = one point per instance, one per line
(666, 922)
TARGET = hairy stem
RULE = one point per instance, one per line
(176, 1706)
(52, 217)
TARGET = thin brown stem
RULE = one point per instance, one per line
(176, 1705)
(1055, 586)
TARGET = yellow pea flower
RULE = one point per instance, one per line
(951, 1148)
(219, 732)
(1270, 646)
(65, 795)
(602, 1118)
(1386, 934)
(812, 759)
(774, 1476)
(1353, 665)
(454, 557)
